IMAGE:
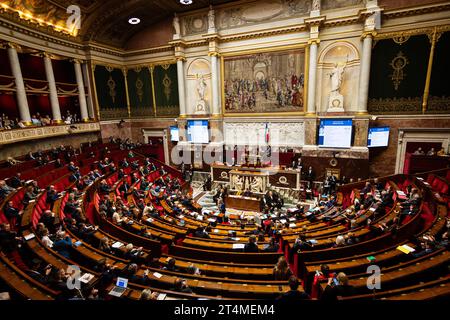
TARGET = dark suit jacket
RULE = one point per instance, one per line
(294, 295)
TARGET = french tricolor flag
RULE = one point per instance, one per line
(267, 133)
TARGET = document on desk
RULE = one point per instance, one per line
(29, 236)
(86, 278)
(292, 225)
(406, 249)
(238, 246)
(157, 275)
(283, 221)
(161, 296)
(117, 245)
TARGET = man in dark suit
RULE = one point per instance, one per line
(270, 200)
(15, 181)
(293, 294)
(251, 245)
(48, 219)
(125, 188)
(104, 188)
(310, 175)
(52, 196)
(124, 163)
(11, 212)
(337, 287)
(72, 167)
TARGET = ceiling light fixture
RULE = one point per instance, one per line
(134, 21)
(186, 2)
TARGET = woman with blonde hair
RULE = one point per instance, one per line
(281, 270)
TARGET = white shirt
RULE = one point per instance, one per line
(47, 242)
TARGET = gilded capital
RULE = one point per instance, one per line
(315, 41)
(213, 54)
(15, 46)
(366, 34)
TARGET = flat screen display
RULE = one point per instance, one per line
(378, 137)
(197, 131)
(335, 133)
(174, 134)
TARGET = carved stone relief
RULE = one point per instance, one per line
(290, 134)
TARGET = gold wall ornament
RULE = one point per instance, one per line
(167, 83)
(401, 39)
(139, 86)
(398, 64)
(112, 89)
(165, 66)
(109, 68)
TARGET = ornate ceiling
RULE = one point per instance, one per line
(102, 21)
(106, 21)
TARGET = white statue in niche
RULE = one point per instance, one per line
(176, 26)
(201, 105)
(211, 19)
(337, 75)
(336, 102)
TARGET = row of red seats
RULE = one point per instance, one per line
(438, 184)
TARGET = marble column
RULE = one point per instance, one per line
(365, 73)
(81, 91)
(181, 88)
(312, 77)
(86, 80)
(22, 101)
(54, 103)
(215, 85)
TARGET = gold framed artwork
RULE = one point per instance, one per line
(264, 82)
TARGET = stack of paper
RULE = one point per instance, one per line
(238, 246)
(29, 236)
(117, 245)
(86, 277)
(406, 249)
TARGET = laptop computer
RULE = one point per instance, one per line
(119, 289)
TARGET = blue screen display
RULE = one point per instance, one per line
(197, 131)
(378, 137)
(335, 133)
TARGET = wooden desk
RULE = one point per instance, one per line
(242, 203)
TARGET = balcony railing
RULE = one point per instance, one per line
(18, 135)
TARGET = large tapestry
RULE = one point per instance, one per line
(398, 73)
(110, 90)
(140, 92)
(166, 90)
(265, 82)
